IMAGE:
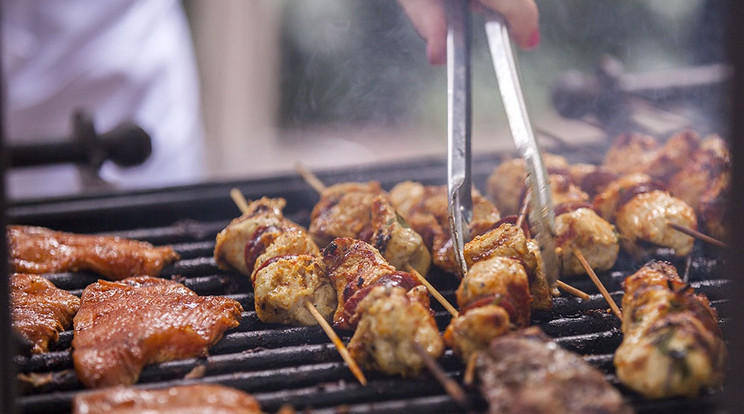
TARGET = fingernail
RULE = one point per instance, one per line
(534, 39)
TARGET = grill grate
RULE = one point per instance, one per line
(298, 365)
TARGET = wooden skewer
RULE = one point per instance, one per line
(572, 290)
(598, 283)
(240, 201)
(698, 235)
(469, 376)
(353, 367)
(432, 290)
(318, 185)
(451, 386)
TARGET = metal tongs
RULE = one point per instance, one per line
(459, 182)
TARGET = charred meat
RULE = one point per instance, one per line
(526, 372)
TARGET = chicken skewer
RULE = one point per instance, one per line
(244, 207)
(672, 344)
(319, 187)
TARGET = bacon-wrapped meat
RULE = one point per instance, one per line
(635, 153)
(282, 260)
(362, 211)
(493, 297)
(425, 210)
(389, 309)
(672, 344)
(642, 211)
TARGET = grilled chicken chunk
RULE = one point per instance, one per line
(397, 242)
(41, 250)
(388, 309)
(493, 297)
(526, 372)
(123, 326)
(344, 211)
(282, 260)
(425, 209)
(390, 322)
(583, 230)
(362, 211)
(672, 344)
(40, 310)
(510, 241)
(506, 184)
(184, 399)
(642, 211)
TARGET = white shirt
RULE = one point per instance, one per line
(120, 60)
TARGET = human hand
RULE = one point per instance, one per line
(430, 20)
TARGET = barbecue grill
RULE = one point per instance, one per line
(298, 366)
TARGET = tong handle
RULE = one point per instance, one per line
(459, 182)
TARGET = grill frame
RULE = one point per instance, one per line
(190, 216)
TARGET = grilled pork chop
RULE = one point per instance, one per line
(185, 399)
(123, 326)
(40, 310)
(41, 250)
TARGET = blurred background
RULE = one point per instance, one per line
(337, 83)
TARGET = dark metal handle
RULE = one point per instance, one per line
(126, 145)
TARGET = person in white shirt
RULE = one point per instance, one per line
(121, 60)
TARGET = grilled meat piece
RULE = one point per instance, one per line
(506, 184)
(672, 344)
(123, 326)
(713, 207)
(40, 250)
(649, 156)
(397, 242)
(526, 372)
(362, 211)
(583, 230)
(390, 323)
(494, 297)
(344, 211)
(642, 211)
(184, 399)
(282, 260)
(508, 240)
(40, 310)
(388, 309)
(425, 209)
(355, 267)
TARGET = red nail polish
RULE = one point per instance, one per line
(534, 39)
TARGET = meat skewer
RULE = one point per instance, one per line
(40, 250)
(245, 208)
(672, 343)
(319, 187)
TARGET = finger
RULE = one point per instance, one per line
(430, 20)
(522, 17)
